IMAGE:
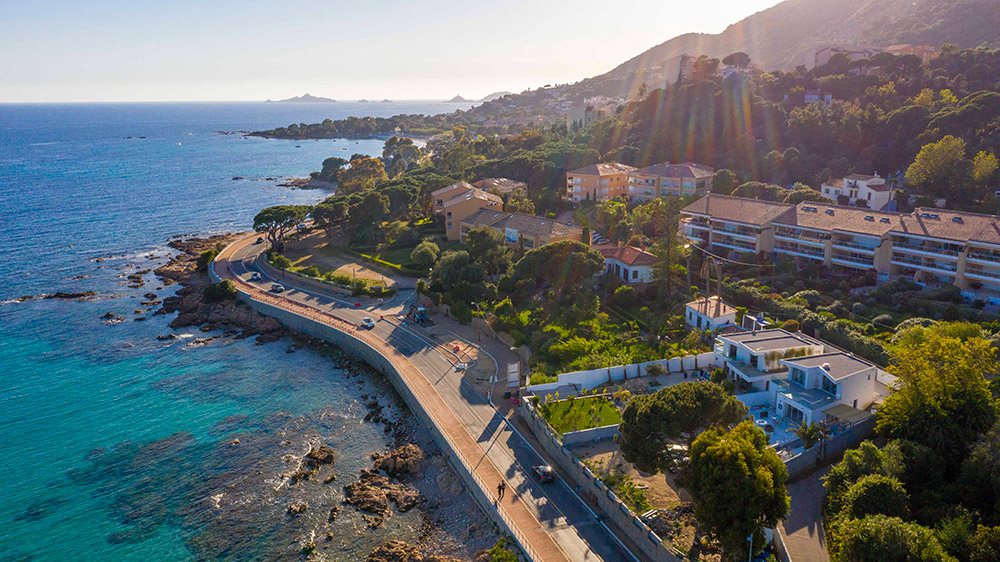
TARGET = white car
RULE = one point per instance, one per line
(256, 276)
(367, 323)
(277, 288)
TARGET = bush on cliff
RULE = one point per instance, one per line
(206, 258)
(223, 290)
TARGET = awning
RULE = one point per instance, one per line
(845, 413)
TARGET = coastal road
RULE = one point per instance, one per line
(555, 507)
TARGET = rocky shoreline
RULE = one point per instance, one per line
(407, 477)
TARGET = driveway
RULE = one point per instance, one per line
(804, 536)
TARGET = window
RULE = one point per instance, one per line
(829, 386)
(794, 414)
(699, 322)
(635, 274)
(797, 375)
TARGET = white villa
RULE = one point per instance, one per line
(709, 314)
(799, 378)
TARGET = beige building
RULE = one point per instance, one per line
(582, 116)
(930, 246)
(460, 200)
(925, 52)
(521, 230)
(598, 182)
(669, 180)
(709, 314)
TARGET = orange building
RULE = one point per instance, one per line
(925, 52)
(598, 182)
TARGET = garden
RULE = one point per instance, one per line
(577, 414)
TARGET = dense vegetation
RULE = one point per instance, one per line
(933, 491)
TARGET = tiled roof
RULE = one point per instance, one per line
(473, 193)
(629, 255)
(950, 225)
(524, 224)
(863, 177)
(841, 365)
(738, 209)
(837, 217)
(604, 169)
(450, 188)
(708, 306)
(668, 170)
(503, 185)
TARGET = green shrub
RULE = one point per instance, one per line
(281, 262)
(311, 272)
(461, 312)
(876, 494)
(206, 258)
(221, 291)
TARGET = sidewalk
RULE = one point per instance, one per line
(529, 532)
(804, 536)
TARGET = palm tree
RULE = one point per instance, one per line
(811, 433)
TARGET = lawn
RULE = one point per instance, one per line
(580, 413)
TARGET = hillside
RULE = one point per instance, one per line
(781, 37)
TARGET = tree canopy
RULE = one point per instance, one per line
(737, 483)
(279, 220)
(652, 423)
(563, 265)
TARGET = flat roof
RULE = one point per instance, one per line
(769, 340)
(602, 169)
(841, 365)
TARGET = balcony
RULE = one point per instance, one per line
(848, 245)
(934, 267)
(744, 233)
(932, 250)
(798, 250)
(984, 274)
(800, 240)
(734, 245)
(983, 257)
(856, 262)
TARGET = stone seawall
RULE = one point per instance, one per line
(381, 363)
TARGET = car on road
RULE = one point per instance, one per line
(256, 276)
(544, 473)
(277, 288)
(260, 240)
(367, 323)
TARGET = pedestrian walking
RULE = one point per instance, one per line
(501, 488)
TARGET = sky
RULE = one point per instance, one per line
(139, 50)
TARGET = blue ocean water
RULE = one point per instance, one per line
(119, 446)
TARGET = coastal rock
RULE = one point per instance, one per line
(321, 455)
(298, 508)
(400, 551)
(373, 492)
(80, 295)
(407, 459)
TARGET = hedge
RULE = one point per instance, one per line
(406, 271)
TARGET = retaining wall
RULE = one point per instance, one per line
(381, 363)
(808, 459)
(593, 378)
(571, 438)
(590, 486)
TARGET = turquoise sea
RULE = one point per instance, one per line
(115, 445)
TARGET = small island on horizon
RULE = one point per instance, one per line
(305, 98)
(458, 99)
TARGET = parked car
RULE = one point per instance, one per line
(544, 473)
(277, 288)
(367, 323)
(256, 276)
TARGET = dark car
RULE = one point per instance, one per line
(260, 240)
(544, 473)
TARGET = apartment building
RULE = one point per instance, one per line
(734, 227)
(801, 378)
(925, 52)
(630, 264)
(663, 180)
(927, 246)
(500, 186)
(592, 111)
(598, 182)
(859, 190)
(521, 230)
(458, 201)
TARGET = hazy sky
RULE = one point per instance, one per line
(247, 50)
